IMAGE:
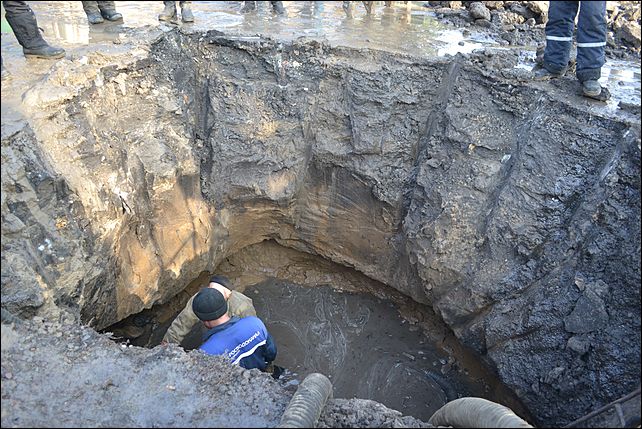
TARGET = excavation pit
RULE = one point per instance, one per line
(509, 208)
(368, 339)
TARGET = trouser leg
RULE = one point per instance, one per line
(591, 40)
(186, 11)
(23, 23)
(169, 12)
(93, 12)
(559, 35)
(105, 6)
(277, 6)
(90, 7)
(248, 6)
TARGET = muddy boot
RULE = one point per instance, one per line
(278, 7)
(25, 27)
(108, 11)
(249, 6)
(347, 8)
(593, 89)
(93, 12)
(542, 73)
(186, 11)
(169, 13)
(277, 371)
(368, 6)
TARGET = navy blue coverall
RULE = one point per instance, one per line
(591, 37)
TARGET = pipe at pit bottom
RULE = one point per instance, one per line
(476, 413)
(308, 401)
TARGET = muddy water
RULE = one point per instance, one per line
(360, 341)
(362, 344)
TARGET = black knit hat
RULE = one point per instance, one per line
(209, 304)
(222, 280)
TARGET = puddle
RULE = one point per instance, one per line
(414, 31)
(622, 78)
(363, 345)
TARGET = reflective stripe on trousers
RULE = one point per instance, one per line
(591, 36)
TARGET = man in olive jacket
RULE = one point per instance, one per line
(237, 304)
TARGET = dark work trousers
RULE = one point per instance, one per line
(23, 23)
(180, 2)
(95, 7)
(591, 37)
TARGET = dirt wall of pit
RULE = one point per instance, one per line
(511, 210)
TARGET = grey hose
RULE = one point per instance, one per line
(304, 409)
(476, 413)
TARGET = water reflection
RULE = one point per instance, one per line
(410, 30)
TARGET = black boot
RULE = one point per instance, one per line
(169, 13)
(278, 7)
(108, 11)
(93, 12)
(249, 6)
(186, 11)
(25, 27)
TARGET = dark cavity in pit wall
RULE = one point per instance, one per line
(358, 340)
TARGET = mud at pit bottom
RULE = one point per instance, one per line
(362, 344)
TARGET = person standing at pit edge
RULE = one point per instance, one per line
(170, 13)
(245, 341)
(238, 304)
(25, 27)
(98, 11)
(277, 6)
(591, 42)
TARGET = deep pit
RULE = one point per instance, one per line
(371, 341)
(513, 213)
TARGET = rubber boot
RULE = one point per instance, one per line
(186, 11)
(278, 8)
(249, 6)
(108, 11)
(25, 27)
(368, 6)
(542, 73)
(93, 12)
(169, 13)
(347, 8)
(591, 88)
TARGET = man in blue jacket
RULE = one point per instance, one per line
(245, 341)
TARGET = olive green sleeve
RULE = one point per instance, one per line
(240, 305)
(182, 325)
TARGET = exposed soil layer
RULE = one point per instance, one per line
(510, 207)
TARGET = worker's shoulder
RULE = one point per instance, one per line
(238, 296)
(251, 321)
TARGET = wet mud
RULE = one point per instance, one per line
(515, 215)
